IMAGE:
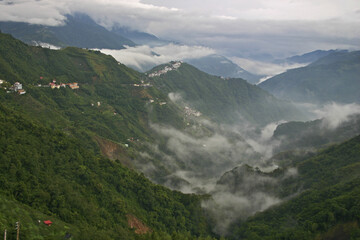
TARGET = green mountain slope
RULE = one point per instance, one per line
(224, 100)
(328, 206)
(13, 211)
(28, 64)
(79, 30)
(334, 77)
(55, 175)
(122, 111)
(108, 113)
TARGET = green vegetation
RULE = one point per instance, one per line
(123, 111)
(224, 100)
(56, 176)
(51, 162)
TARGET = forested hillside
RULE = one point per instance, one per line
(51, 144)
(325, 204)
(107, 108)
(83, 193)
(224, 100)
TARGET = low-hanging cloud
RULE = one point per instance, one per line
(200, 161)
(227, 207)
(207, 162)
(144, 57)
(241, 193)
(47, 12)
(234, 28)
(206, 156)
(175, 97)
(334, 114)
(263, 142)
(265, 68)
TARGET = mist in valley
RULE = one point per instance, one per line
(233, 163)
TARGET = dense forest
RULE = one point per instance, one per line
(91, 196)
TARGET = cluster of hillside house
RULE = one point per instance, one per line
(53, 85)
(172, 67)
(16, 87)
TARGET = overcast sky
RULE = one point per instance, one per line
(232, 27)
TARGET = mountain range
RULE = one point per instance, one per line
(79, 30)
(307, 57)
(334, 77)
(140, 38)
(223, 99)
(221, 66)
(78, 143)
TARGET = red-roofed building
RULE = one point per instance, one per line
(48, 222)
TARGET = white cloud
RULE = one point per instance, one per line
(264, 9)
(264, 68)
(175, 97)
(46, 12)
(237, 28)
(145, 57)
(334, 114)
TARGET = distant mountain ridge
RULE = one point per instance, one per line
(335, 77)
(140, 38)
(221, 66)
(79, 31)
(307, 57)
